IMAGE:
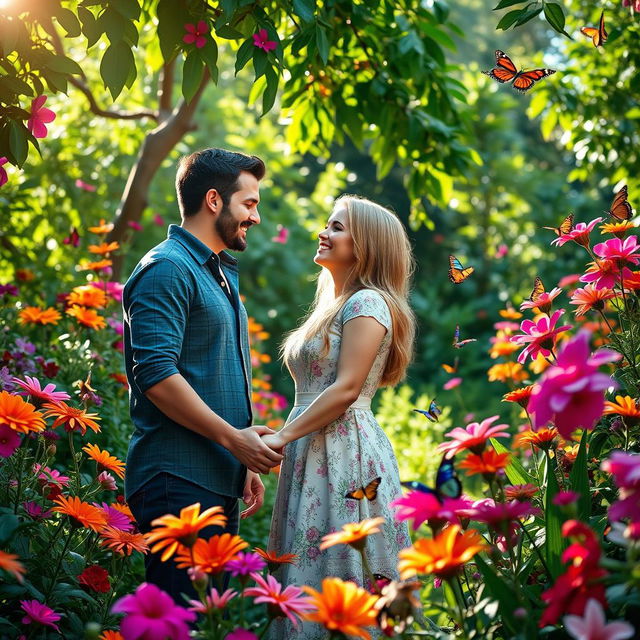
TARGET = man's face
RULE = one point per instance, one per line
(239, 213)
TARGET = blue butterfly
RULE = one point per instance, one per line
(432, 413)
(457, 343)
(448, 484)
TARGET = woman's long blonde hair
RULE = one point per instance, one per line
(384, 263)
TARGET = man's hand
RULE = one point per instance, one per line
(274, 441)
(248, 447)
(252, 495)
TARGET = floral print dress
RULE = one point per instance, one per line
(321, 467)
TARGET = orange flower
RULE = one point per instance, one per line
(521, 396)
(121, 378)
(19, 415)
(105, 460)
(489, 462)
(543, 438)
(87, 295)
(73, 419)
(521, 492)
(590, 298)
(103, 228)
(123, 508)
(353, 533)
(211, 556)
(104, 247)
(88, 317)
(539, 364)
(624, 406)
(618, 229)
(507, 371)
(443, 556)
(82, 514)
(110, 635)
(510, 313)
(96, 266)
(502, 346)
(25, 275)
(36, 315)
(172, 533)
(343, 607)
(9, 562)
(274, 560)
(123, 542)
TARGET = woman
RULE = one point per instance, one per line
(357, 337)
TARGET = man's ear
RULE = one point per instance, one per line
(213, 201)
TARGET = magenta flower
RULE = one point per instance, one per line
(241, 634)
(421, 507)
(564, 498)
(497, 514)
(40, 116)
(115, 518)
(592, 625)
(571, 392)
(39, 613)
(39, 395)
(85, 186)
(50, 476)
(214, 600)
(136, 226)
(151, 613)
(157, 219)
(474, 436)
(619, 251)
(196, 34)
(540, 335)
(543, 302)
(452, 384)
(506, 326)
(625, 468)
(9, 290)
(113, 289)
(579, 234)
(283, 235)
(9, 441)
(502, 251)
(261, 40)
(4, 178)
(288, 601)
(565, 281)
(606, 274)
(245, 563)
(107, 481)
(633, 4)
(35, 511)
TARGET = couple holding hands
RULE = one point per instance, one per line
(188, 365)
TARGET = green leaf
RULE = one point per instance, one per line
(8, 524)
(227, 32)
(516, 473)
(90, 26)
(191, 75)
(555, 17)
(498, 589)
(503, 4)
(260, 60)
(269, 95)
(62, 64)
(18, 86)
(113, 25)
(18, 145)
(323, 43)
(527, 15)
(579, 479)
(115, 67)
(209, 55)
(553, 518)
(171, 20)
(129, 9)
(305, 9)
(438, 35)
(508, 19)
(69, 22)
(244, 54)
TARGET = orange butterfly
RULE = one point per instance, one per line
(370, 492)
(505, 71)
(458, 273)
(538, 290)
(620, 207)
(565, 226)
(599, 35)
(452, 369)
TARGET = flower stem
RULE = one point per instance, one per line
(537, 550)
(54, 577)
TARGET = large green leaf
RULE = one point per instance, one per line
(305, 9)
(172, 16)
(516, 473)
(555, 17)
(18, 136)
(191, 74)
(497, 588)
(579, 479)
(269, 95)
(553, 522)
(115, 67)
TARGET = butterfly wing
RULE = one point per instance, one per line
(505, 70)
(451, 369)
(602, 31)
(462, 343)
(414, 485)
(456, 335)
(593, 33)
(566, 226)
(371, 490)
(457, 272)
(526, 79)
(620, 207)
(427, 414)
(357, 494)
(538, 290)
(447, 482)
(432, 413)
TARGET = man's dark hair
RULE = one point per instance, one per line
(212, 169)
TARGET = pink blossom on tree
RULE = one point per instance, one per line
(4, 178)
(196, 34)
(40, 116)
(261, 40)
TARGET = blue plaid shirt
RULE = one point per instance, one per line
(177, 319)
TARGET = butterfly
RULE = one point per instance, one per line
(620, 207)
(458, 273)
(599, 35)
(505, 71)
(457, 343)
(73, 238)
(538, 290)
(370, 492)
(565, 226)
(447, 485)
(432, 413)
(452, 369)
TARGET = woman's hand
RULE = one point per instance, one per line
(274, 441)
(253, 494)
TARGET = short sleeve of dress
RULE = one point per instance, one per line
(369, 303)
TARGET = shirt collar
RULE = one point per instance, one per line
(197, 248)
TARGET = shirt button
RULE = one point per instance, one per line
(222, 284)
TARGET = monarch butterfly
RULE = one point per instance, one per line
(457, 343)
(599, 35)
(620, 207)
(447, 485)
(370, 492)
(432, 413)
(458, 273)
(505, 71)
(452, 369)
(538, 290)
(565, 227)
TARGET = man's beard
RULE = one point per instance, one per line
(228, 229)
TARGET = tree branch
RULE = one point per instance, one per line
(166, 88)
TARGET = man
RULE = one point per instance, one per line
(187, 359)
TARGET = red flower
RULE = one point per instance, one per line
(196, 34)
(261, 40)
(95, 578)
(4, 178)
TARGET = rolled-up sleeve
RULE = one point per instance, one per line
(156, 308)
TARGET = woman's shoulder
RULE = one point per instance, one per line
(367, 302)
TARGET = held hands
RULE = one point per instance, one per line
(252, 451)
(253, 494)
(274, 441)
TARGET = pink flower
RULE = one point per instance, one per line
(4, 178)
(625, 467)
(288, 601)
(504, 325)
(73, 238)
(39, 613)
(85, 186)
(196, 34)
(157, 219)
(593, 625)
(35, 511)
(543, 302)
(151, 613)
(113, 289)
(241, 634)
(474, 436)
(565, 281)
(541, 336)
(579, 234)
(497, 514)
(40, 115)
(606, 274)
(136, 226)
(452, 384)
(50, 476)
(420, 507)
(9, 441)
(502, 251)
(564, 498)
(107, 481)
(115, 518)
(261, 41)
(214, 600)
(634, 4)
(618, 250)
(571, 392)
(245, 563)
(283, 235)
(38, 394)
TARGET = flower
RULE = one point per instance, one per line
(114, 517)
(624, 406)
(510, 313)
(261, 40)
(353, 533)
(571, 392)
(281, 602)
(343, 607)
(87, 317)
(606, 274)
(36, 315)
(504, 371)
(283, 235)
(625, 467)
(241, 634)
(98, 265)
(104, 459)
(543, 301)
(501, 344)
(103, 228)
(618, 229)
(8, 289)
(87, 295)
(452, 384)
(564, 498)
(4, 178)
(39, 613)
(274, 560)
(499, 514)
(579, 234)
(521, 396)
(31, 387)
(107, 481)
(520, 492)
(151, 613)
(593, 625)
(136, 226)
(420, 506)
(210, 556)
(245, 563)
(619, 251)
(85, 186)
(9, 441)
(47, 476)
(19, 415)
(489, 462)
(123, 542)
(9, 562)
(196, 34)
(540, 335)
(95, 578)
(443, 556)
(110, 635)
(542, 438)
(591, 298)
(35, 511)
(104, 248)
(73, 419)
(40, 116)
(82, 514)
(473, 437)
(213, 600)
(173, 533)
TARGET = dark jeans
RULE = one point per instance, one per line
(168, 494)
